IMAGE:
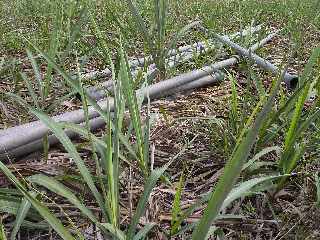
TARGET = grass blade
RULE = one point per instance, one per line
(149, 185)
(142, 234)
(36, 72)
(42, 209)
(232, 169)
(58, 188)
(180, 34)
(30, 89)
(21, 215)
(245, 188)
(71, 149)
(140, 23)
(117, 233)
(131, 100)
(261, 154)
(2, 232)
(176, 209)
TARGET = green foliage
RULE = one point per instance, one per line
(233, 168)
(176, 209)
(2, 232)
(38, 205)
(62, 29)
(21, 215)
(156, 41)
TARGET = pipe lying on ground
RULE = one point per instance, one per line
(37, 145)
(150, 74)
(140, 62)
(14, 137)
(97, 122)
(290, 80)
(14, 140)
(100, 94)
(182, 54)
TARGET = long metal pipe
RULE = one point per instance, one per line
(16, 137)
(289, 79)
(98, 122)
(175, 56)
(191, 49)
(52, 140)
(100, 94)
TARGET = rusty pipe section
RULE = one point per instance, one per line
(14, 140)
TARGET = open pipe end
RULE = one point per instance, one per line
(291, 81)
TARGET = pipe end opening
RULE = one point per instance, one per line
(292, 82)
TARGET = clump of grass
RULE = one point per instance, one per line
(286, 122)
(106, 152)
(156, 41)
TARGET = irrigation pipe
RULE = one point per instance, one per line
(150, 74)
(182, 54)
(194, 48)
(14, 137)
(94, 123)
(20, 140)
(99, 122)
(289, 79)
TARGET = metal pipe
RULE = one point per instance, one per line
(37, 145)
(140, 62)
(99, 94)
(108, 85)
(14, 138)
(98, 122)
(290, 80)
(181, 54)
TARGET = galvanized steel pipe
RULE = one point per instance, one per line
(290, 80)
(13, 139)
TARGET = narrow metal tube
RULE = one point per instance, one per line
(52, 140)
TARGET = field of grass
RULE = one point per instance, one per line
(237, 160)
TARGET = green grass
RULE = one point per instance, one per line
(35, 20)
(267, 140)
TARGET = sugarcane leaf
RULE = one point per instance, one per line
(260, 154)
(148, 187)
(233, 167)
(21, 215)
(40, 207)
(58, 188)
(117, 233)
(142, 234)
(140, 23)
(176, 209)
(68, 145)
(180, 34)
